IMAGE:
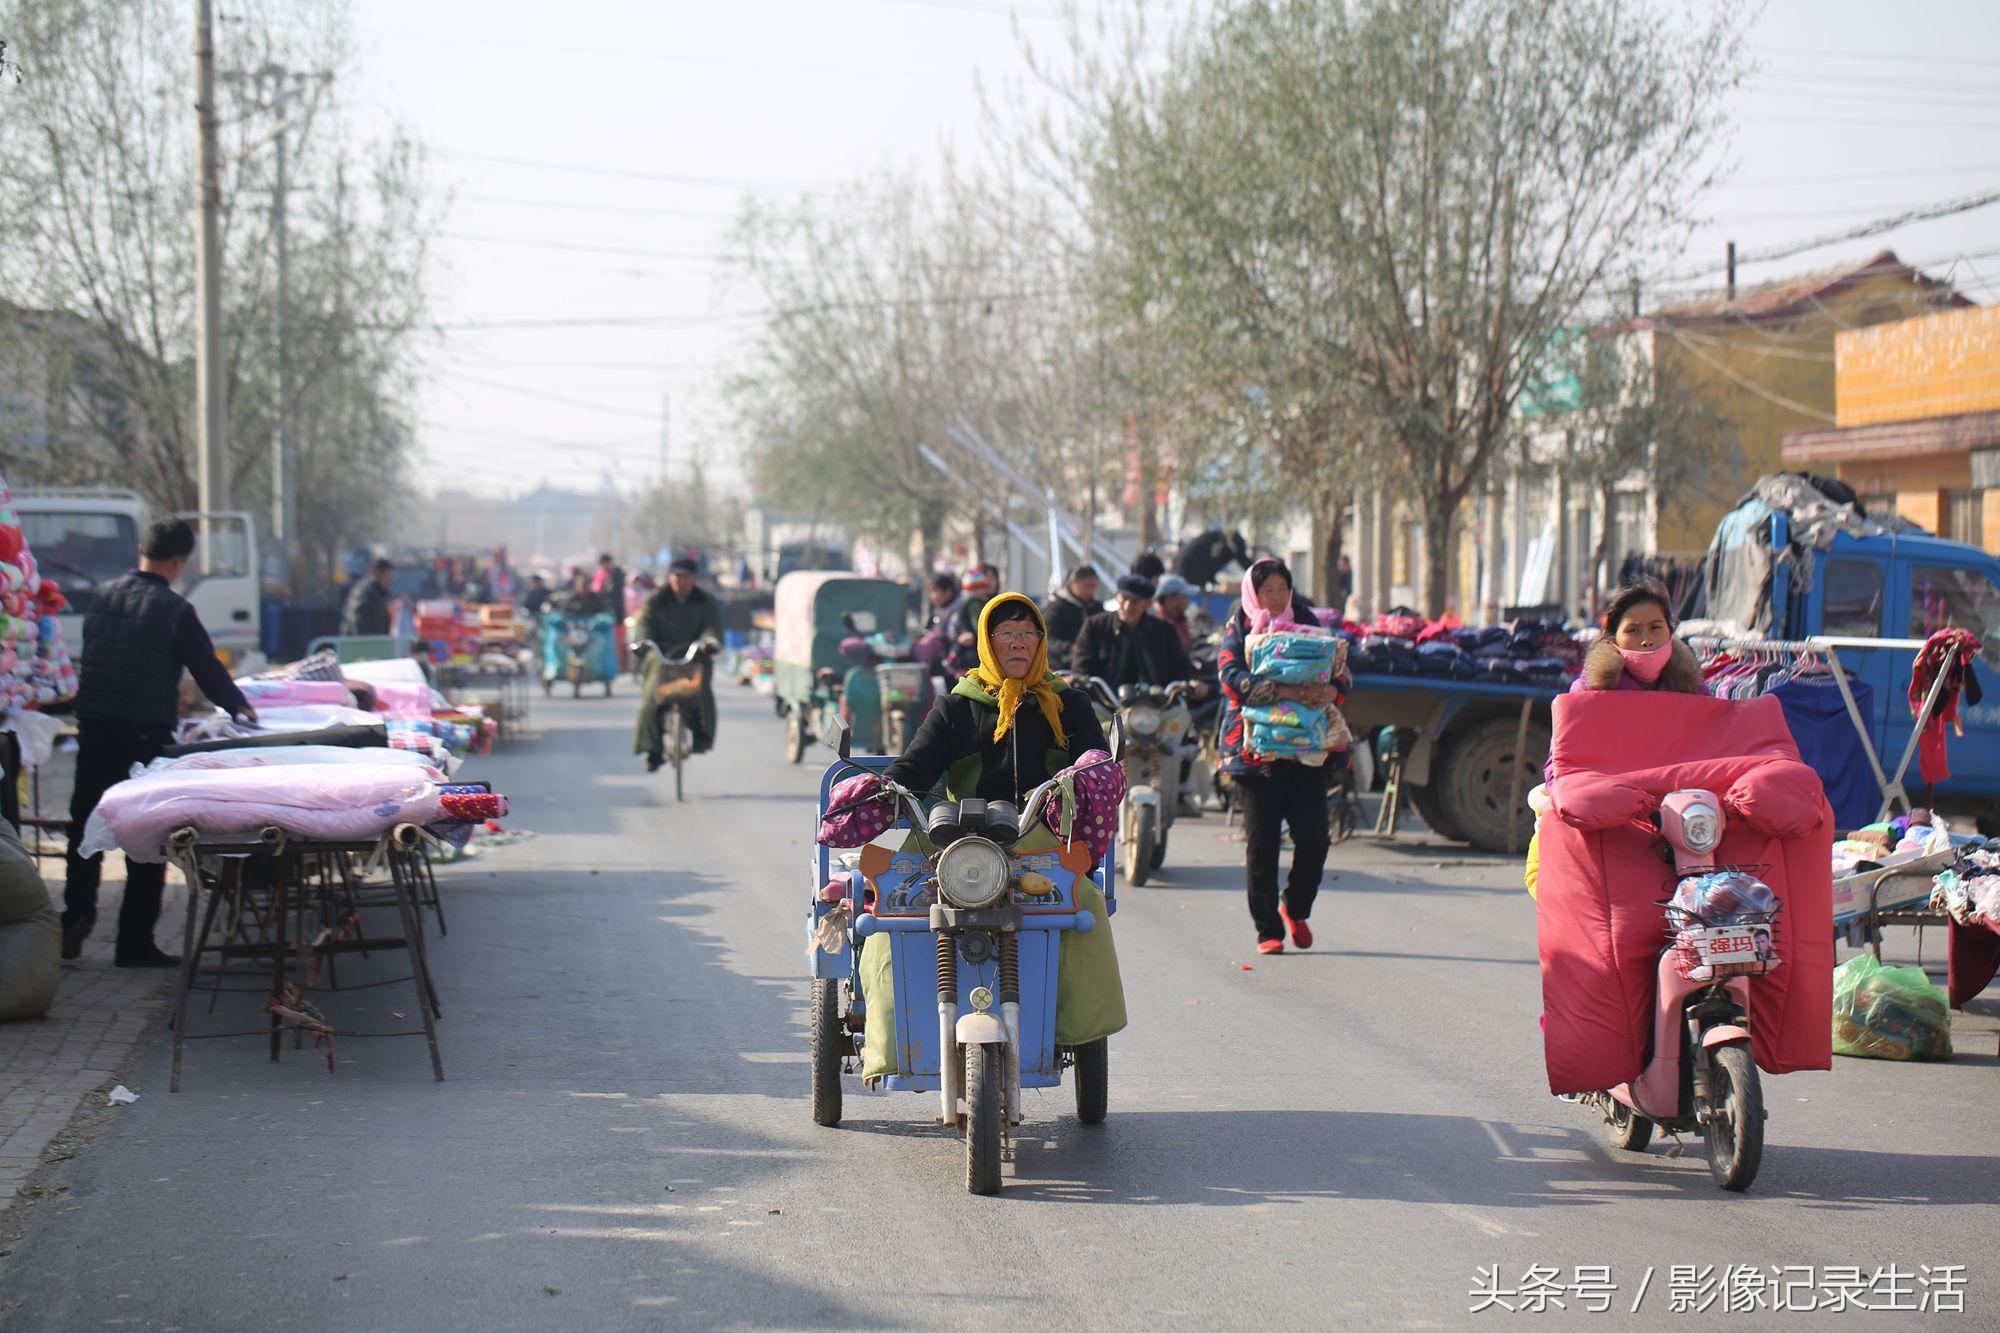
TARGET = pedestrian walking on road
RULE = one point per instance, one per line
(1275, 792)
(138, 638)
(367, 611)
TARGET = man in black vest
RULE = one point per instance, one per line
(138, 638)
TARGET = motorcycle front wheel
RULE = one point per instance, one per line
(1139, 850)
(1735, 1126)
(795, 736)
(985, 1106)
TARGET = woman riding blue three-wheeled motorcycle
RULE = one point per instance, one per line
(961, 902)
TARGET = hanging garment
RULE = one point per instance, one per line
(1830, 746)
(1951, 652)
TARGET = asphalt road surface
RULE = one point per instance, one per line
(1338, 1138)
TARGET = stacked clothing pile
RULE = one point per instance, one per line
(321, 696)
(1521, 652)
(1968, 891)
(1293, 730)
(35, 668)
(1904, 838)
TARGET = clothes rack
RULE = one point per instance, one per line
(1893, 791)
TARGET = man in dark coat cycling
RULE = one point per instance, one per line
(677, 615)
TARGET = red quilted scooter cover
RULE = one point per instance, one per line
(1599, 915)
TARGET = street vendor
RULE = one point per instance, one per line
(676, 616)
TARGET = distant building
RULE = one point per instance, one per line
(1758, 364)
(66, 413)
(1917, 425)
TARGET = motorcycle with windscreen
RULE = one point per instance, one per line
(1685, 917)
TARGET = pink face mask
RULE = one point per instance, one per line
(1646, 664)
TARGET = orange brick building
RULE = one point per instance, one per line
(1917, 422)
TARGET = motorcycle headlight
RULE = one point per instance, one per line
(1143, 720)
(973, 873)
(1700, 829)
(579, 637)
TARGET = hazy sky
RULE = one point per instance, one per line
(598, 151)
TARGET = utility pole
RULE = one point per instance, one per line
(284, 86)
(211, 395)
(284, 462)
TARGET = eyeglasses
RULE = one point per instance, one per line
(1023, 639)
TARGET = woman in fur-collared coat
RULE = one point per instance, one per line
(1639, 650)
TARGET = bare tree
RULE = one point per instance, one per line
(1398, 201)
(97, 259)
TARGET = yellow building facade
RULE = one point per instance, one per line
(1762, 363)
(1918, 411)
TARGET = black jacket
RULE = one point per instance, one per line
(1148, 653)
(1207, 555)
(956, 741)
(674, 624)
(1064, 614)
(367, 609)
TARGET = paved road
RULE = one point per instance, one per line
(1340, 1137)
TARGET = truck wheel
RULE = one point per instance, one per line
(1426, 802)
(1479, 781)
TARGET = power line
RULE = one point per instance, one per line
(545, 243)
(622, 210)
(562, 400)
(616, 173)
(1790, 182)
(1885, 56)
(673, 57)
(1926, 213)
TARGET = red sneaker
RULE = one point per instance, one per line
(1302, 934)
(1270, 946)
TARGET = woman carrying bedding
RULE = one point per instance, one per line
(1638, 651)
(1275, 792)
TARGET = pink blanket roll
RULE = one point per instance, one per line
(332, 802)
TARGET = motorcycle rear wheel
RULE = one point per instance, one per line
(985, 1105)
(1629, 1130)
(829, 1041)
(1092, 1072)
(1734, 1130)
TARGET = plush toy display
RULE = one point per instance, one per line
(34, 664)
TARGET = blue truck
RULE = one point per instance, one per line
(1872, 589)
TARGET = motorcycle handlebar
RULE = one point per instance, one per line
(703, 645)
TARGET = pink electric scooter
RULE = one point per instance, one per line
(1701, 1074)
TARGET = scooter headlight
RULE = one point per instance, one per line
(579, 637)
(1700, 829)
(1142, 720)
(973, 873)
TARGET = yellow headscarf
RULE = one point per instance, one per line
(1007, 692)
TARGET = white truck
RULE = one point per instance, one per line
(86, 537)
